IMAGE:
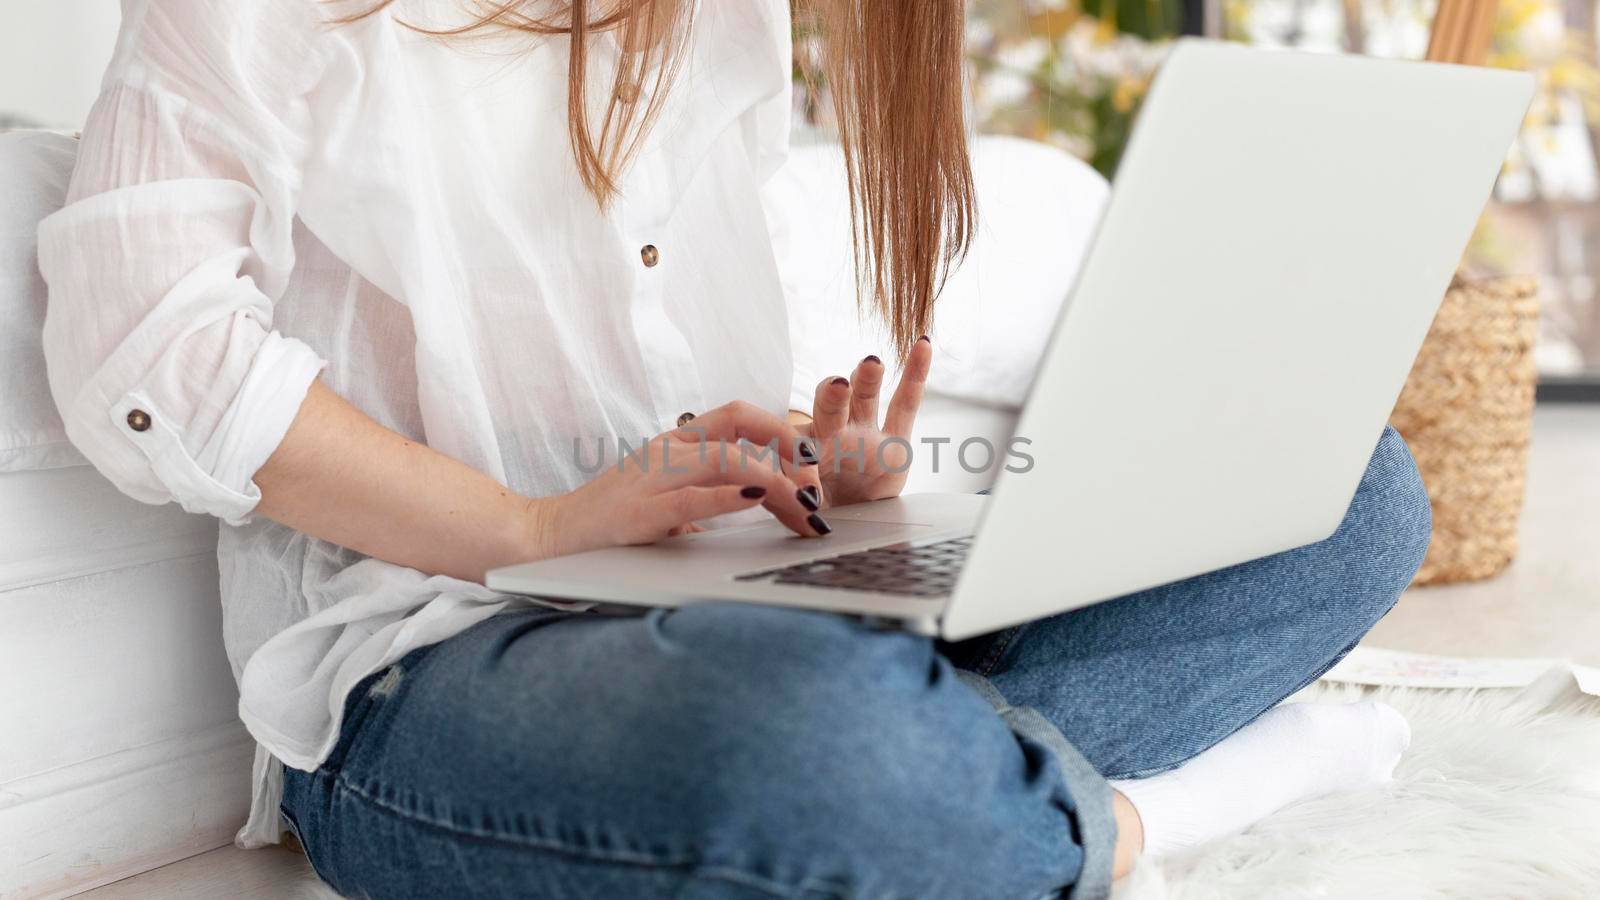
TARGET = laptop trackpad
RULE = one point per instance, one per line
(730, 552)
(773, 536)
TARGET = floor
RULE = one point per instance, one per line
(271, 874)
(1547, 604)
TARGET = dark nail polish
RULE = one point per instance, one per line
(925, 338)
(810, 497)
(753, 492)
(808, 456)
(873, 359)
(818, 524)
(841, 380)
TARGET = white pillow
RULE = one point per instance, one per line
(1037, 211)
(34, 169)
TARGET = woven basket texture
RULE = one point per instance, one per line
(1466, 412)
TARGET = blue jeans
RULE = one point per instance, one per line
(733, 751)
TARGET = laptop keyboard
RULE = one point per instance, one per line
(926, 570)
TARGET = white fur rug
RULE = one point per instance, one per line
(1498, 797)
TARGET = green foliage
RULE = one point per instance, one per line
(1149, 19)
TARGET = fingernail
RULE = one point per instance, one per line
(808, 456)
(818, 524)
(841, 380)
(810, 497)
(753, 492)
(873, 359)
(925, 338)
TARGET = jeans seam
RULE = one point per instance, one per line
(294, 829)
(991, 659)
(720, 872)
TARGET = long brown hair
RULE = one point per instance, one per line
(894, 74)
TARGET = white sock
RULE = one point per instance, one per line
(1292, 752)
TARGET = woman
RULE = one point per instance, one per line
(362, 291)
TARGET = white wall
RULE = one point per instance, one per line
(52, 54)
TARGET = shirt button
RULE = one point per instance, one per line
(650, 255)
(139, 420)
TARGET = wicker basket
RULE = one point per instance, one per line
(1466, 412)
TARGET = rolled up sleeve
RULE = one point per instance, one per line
(175, 241)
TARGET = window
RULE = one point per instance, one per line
(1072, 74)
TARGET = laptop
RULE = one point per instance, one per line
(1280, 233)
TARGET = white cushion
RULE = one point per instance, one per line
(1038, 207)
(34, 169)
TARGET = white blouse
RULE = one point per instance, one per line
(261, 198)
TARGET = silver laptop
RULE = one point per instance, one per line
(1279, 235)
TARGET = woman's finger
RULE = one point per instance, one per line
(740, 421)
(865, 386)
(831, 408)
(907, 397)
(702, 465)
(677, 510)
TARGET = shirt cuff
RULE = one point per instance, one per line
(217, 480)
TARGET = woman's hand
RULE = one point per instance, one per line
(697, 471)
(861, 459)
